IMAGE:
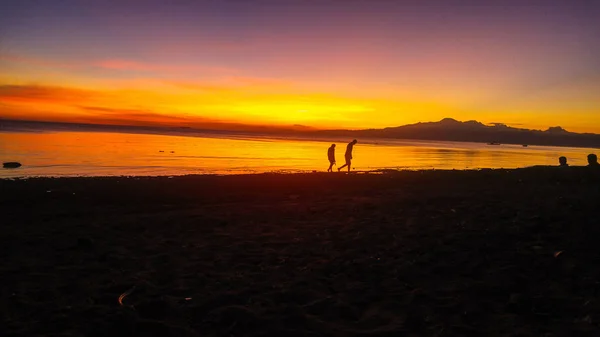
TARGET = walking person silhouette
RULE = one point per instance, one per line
(348, 155)
(331, 157)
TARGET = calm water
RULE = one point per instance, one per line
(108, 154)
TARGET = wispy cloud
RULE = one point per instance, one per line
(235, 83)
(119, 116)
(86, 106)
(128, 112)
(500, 124)
(36, 61)
(35, 93)
(123, 65)
(129, 116)
(132, 65)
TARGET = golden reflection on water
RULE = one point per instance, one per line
(88, 153)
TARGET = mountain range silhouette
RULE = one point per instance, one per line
(449, 129)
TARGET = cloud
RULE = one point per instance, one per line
(124, 65)
(241, 84)
(35, 93)
(34, 61)
(124, 116)
(131, 114)
(118, 116)
(78, 104)
(505, 124)
(198, 86)
(132, 65)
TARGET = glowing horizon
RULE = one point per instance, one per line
(363, 65)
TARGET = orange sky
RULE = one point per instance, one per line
(320, 67)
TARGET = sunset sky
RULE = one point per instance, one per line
(324, 64)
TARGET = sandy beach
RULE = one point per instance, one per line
(424, 253)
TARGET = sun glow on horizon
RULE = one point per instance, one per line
(165, 104)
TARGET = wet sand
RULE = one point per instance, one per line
(433, 253)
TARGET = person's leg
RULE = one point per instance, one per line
(341, 167)
(330, 169)
(349, 164)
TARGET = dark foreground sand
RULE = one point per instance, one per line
(400, 254)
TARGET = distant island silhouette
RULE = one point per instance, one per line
(447, 129)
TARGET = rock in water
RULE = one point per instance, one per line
(11, 164)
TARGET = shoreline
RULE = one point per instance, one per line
(306, 172)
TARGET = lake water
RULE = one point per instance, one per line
(110, 154)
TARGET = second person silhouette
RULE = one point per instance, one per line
(348, 155)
